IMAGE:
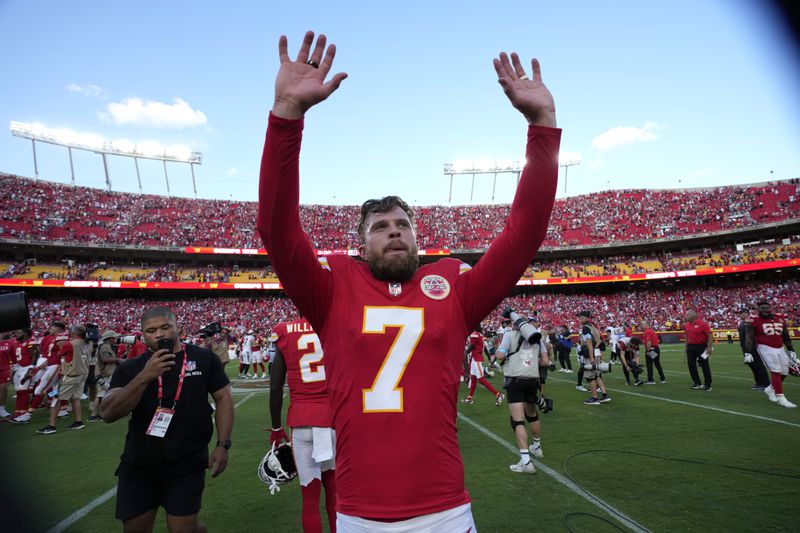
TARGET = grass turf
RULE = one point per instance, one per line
(668, 457)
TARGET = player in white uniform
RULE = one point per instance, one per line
(246, 355)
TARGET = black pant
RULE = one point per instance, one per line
(693, 352)
(563, 358)
(759, 371)
(655, 361)
(634, 369)
(580, 373)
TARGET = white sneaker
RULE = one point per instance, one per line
(581, 388)
(535, 449)
(770, 392)
(783, 402)
(521, 468)
(263, 376)
(22, 419)
(63, 413)
(84, 396)
(568, 371)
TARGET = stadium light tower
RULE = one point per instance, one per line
(481, 167)
(94, 143)
(565, 165)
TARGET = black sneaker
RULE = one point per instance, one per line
(605, 399)
(47, 430)
(95, 418)
(76, 425)
(708, 389)
(639, 382)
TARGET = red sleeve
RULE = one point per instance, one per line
(294, 260)
(498, 271)
(66, 352)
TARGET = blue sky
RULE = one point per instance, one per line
(649, 94)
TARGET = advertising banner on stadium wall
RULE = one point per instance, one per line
(262, 251)
(275, 285)
(677, 274)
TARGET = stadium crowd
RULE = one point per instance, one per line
(39, 210)
(665, 309)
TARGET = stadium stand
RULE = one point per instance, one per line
(39, 210)
(665, 308)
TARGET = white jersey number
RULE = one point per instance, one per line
(385, 396)
(308, 373)
(775, 328)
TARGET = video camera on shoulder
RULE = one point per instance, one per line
(211, 329)
(528, 332)
(92, 332)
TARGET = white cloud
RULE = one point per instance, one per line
(140, 112)
(232, 172)
(625, 135)
(88, 90)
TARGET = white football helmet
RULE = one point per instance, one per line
(794, 367)
(277, 467)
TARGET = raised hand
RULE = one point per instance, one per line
(301, 84)
(529, 95)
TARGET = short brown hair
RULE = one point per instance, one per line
(382, 205)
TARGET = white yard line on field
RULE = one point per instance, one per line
(700, 406)
(580, 491)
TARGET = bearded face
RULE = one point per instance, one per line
(390, 246)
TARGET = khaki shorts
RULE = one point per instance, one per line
(71, 387)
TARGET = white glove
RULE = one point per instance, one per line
(748, 358)
(793, 356)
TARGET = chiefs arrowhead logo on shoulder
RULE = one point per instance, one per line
(435, 287)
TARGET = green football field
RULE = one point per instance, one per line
(656, 458)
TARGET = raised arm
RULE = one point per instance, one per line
(300, 84)
(500, 268)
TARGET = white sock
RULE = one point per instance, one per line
(524, 457)
(537, 442)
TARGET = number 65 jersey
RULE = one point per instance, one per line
(768, 331)
(305, 374)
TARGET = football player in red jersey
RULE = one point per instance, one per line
(476, 374)
(50, 366)
(25, 350)
(768, 334)
(393, 331)
(300, 361)
(6, 356)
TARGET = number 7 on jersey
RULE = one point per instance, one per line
(385, 396)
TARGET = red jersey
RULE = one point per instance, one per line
(476, 342)
(651, 337)
(393, 351)
(697, 332)
(22, 352)
(769, 331)
(66, 352)
(49, 349)
(137, 349)
(305, 374)
(6, 353)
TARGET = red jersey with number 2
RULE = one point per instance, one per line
(305, 374)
